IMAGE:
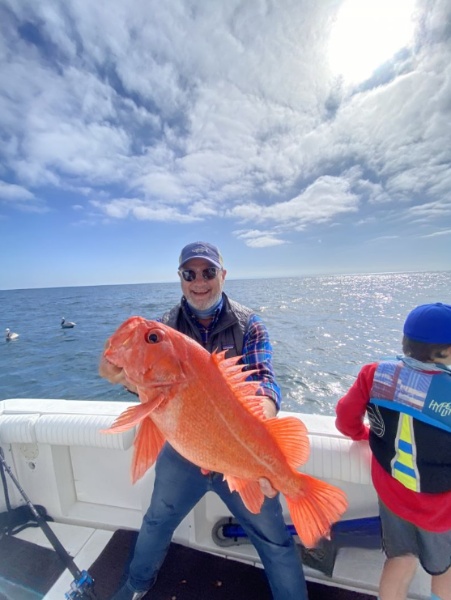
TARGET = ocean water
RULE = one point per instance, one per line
(322, 328)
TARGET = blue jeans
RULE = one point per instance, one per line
(179, 485)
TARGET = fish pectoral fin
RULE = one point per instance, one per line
(315, 509)
(155, 398)
(250, 492)
(292, 437)
(132, 416)
(147, 445)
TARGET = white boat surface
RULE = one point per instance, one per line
(82, 477)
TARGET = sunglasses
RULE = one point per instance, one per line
(190, 274)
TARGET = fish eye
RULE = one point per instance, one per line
(152, 338)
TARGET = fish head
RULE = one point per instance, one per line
(150, 353)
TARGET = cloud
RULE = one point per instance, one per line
(383, 238)
(431, 211)
(437, 233)
(189, 112)
(321, 201)
(121, 208)
(255, 238)
(21, 198)
(11, 192)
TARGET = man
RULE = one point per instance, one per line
(207, 315)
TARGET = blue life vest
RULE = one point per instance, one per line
(410, 423)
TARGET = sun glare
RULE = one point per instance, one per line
(367, 33)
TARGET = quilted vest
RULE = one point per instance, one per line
(228, 333)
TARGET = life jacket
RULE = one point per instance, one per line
(410, 423)
(228, 333)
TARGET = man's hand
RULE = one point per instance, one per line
(269, 408)
(266, 487)
(115, 374)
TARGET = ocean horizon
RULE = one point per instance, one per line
(229, 279)
(323, 329)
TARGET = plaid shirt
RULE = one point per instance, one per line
(257, 354)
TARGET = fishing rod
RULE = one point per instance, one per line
(82, 586)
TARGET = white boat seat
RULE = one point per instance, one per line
(339, 458)
(64, 430)
(18, 429)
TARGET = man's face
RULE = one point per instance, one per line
(202, 293)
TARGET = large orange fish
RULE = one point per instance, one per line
(201, 404)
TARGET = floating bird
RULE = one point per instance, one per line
(67, 324)
(11, 336)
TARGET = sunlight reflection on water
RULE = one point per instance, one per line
(325, 328)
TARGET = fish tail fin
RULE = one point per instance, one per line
(315, 509)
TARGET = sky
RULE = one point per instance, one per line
(300, 136)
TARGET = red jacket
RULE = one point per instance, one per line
(428, 511)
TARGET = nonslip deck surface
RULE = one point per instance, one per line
(189, 574)
(28, 565)
(186, 574)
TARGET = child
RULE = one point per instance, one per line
(408, 404)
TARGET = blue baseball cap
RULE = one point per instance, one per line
(201, 250)
(429, 323)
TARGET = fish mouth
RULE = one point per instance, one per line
(155, 384)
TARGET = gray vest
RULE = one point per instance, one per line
(228, 333)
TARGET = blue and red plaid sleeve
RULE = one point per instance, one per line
(257, 354)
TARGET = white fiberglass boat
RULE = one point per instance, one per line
(81, 476)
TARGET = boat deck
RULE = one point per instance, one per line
(81, 476)
(187, 574)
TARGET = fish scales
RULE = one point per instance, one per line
(221, 435)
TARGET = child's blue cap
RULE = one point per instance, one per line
(429, 323)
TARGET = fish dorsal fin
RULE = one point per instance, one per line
(250, 492)
(230, 368)
(147, 445)
(245, 391)
(292, 437)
